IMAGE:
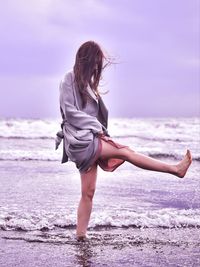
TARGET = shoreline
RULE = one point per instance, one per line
(121, 247)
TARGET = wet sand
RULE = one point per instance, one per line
(119, 247)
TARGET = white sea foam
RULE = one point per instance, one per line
(22, 139)
(167, 218)
(52, 155)
(21, 128)
(147, 129)
(26, 155)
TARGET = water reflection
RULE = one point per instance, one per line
(85, 254)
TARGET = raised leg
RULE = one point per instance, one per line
(145, 162)
(88, 185)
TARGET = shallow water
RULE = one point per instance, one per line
(108, 247)
(139, 218)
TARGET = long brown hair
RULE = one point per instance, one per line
(89, 63)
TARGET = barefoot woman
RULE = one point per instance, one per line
(84, 131)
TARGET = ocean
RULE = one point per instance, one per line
(139, 217)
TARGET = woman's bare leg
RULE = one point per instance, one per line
(88, 185)
(145, 162)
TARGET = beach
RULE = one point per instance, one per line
(139, 217)
(106, 247)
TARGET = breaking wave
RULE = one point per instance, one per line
(163, 218)
(52, 156)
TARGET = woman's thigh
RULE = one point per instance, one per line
(110, 151)
(88, 178)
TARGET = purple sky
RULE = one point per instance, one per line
(156, 43)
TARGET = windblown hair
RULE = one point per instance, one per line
(88, 68)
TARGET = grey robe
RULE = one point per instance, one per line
(80, 126)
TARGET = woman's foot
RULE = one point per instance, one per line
(81, 238)
(183, 165)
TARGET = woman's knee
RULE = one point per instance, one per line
(88, 182)
(88, 194)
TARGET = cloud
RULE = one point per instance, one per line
(156, 43)
(46, 20)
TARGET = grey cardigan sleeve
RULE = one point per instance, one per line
(72, 114)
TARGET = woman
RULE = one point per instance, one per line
(84, 131)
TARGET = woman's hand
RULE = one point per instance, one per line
(101, 133)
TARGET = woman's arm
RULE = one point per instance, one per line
(74, 116)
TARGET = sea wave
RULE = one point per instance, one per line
(31, 136)
(170, 156)
(163, 129)
(28, 129)
(54, 156)
(41, 220)
(148, 138)
(27, 137)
